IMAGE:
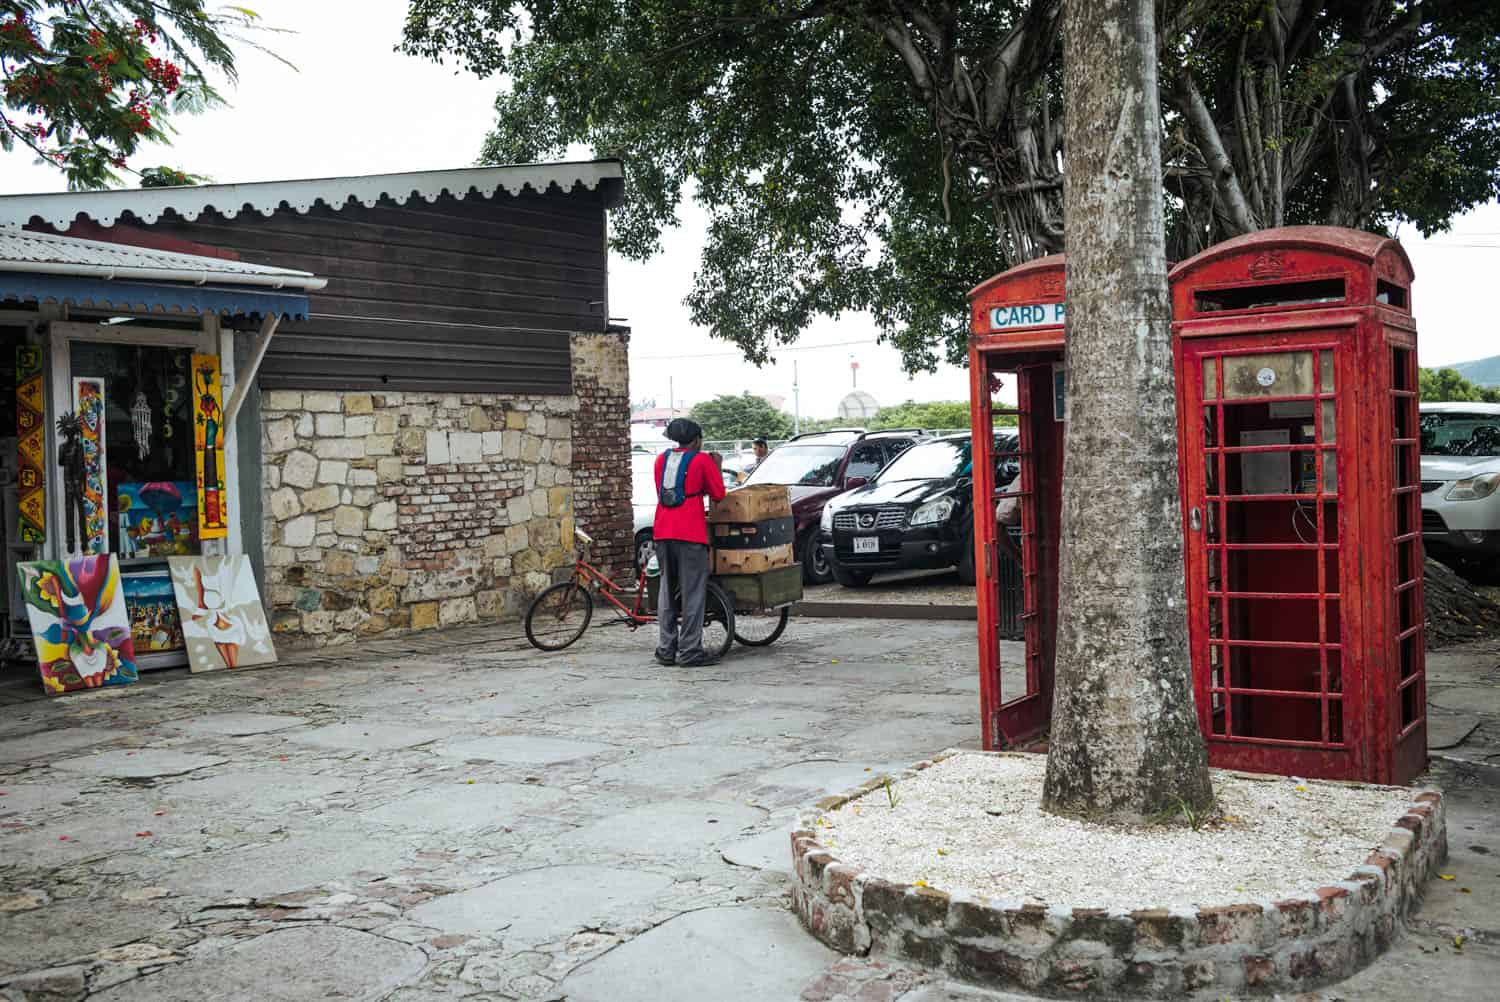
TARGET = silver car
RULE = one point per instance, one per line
(1461, 484)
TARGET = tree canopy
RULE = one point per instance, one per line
(864, 155)
(1439, 385)
(740, 417)
(87, 82)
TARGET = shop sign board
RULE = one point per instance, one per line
(1023, 315)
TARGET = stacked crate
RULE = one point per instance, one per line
(754, 554)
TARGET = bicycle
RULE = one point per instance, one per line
(559, 615)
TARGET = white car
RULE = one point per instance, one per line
(643, 500)
(1461, 484)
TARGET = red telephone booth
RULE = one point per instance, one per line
(1016, 338)
(1296, 364)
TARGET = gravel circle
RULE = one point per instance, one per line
(973, 824)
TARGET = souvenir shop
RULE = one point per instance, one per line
(122, 391)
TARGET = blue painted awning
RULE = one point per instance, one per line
(166, 298)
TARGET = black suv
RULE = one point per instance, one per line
(917, 514)
(817, 467)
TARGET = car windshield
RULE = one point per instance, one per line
(800, 466)
(944, 459)
(1460, 433)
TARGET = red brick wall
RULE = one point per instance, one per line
(601, 446)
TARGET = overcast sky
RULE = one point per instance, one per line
(357, 107)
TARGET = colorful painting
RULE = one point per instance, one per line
(157, 519)
(155, 625)
(88, 404)
(31, 444)
(208, 432)
(79, 622)
(222, 618)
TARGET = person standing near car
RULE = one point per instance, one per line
(683, 476)
(762, 450)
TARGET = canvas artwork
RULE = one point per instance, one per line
(31, 444)
(208, 432)
(157, 519)
(79, 622)
(88, 404)
(222, 618)
(155, 625)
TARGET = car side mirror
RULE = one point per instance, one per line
(852, 482)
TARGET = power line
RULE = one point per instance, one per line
(737, 354)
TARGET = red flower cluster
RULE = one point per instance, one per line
(137, 114)
(164, 73)
(18, 32)
(143, 30)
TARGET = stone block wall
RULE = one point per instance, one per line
(601, 447)
(391, 511)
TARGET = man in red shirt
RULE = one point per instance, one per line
(681, 535)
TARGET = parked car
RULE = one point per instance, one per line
(820, 466)
(918, 514)
(1461, 484)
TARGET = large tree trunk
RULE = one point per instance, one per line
(1125, 744)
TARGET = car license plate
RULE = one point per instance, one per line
(866, 544)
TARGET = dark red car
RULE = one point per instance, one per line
(820, 466)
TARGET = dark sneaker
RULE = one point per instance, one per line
(698, 661)
(665, 660)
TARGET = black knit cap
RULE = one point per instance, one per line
(682, 430)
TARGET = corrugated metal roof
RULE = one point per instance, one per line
(47, 253)
(60, 209)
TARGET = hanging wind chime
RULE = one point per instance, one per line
(140, 413)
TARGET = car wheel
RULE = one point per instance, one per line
(966, 560)
(645, 548)
(851, 578)
(815, 568)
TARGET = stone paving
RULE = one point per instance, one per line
(458, 816)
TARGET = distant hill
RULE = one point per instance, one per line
(1484, 371)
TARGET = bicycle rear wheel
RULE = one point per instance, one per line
(760, 627)
(718, 622)
(559, 615)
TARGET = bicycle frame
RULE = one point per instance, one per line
(585, 574)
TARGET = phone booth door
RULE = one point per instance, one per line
(1263, 465)
(1018, 531)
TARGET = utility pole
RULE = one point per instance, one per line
(796, 402)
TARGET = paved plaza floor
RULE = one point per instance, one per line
(455, 815)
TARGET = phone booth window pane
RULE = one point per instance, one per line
(1275, 374)
(149, 457)
(1325, 371)
(1330, 430)
(1210, 378)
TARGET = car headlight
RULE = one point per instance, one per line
(825, 521)
(1474, 488)
(934, 511)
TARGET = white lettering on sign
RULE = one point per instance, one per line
(1006, 318)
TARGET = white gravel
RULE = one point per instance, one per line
(973, 824)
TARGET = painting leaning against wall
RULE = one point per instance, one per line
(223, 621)
(79, 624)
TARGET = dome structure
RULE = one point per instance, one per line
(858, 406)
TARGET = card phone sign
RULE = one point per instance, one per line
(1024, 315)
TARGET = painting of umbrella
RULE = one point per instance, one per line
(223, 621)
(158, 518)
(78, 622)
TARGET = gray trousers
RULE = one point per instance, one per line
(684, 589)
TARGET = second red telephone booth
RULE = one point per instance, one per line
(1298, 440)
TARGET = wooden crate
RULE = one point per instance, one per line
(763, 591)
(753, 504)
(753, 561)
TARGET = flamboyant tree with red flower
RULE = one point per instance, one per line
(87, 82)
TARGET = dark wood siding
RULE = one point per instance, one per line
(478, 295)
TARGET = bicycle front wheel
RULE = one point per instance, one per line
(760, 627)
(559, 615)
(718, 622)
